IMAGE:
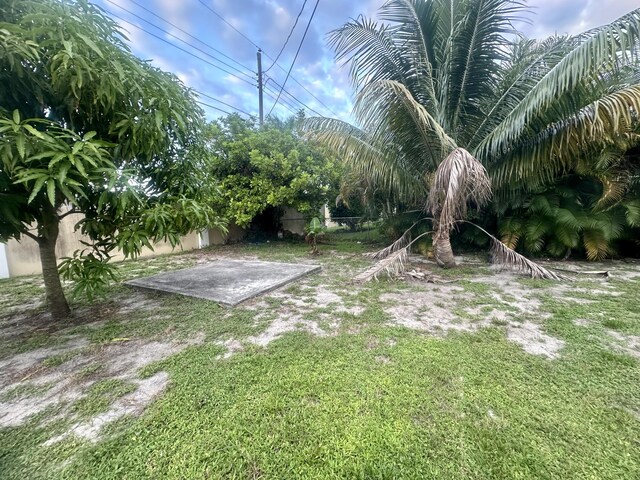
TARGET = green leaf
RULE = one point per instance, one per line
(34, 132)
(20, 145)
(36, 188)
(91, 44)
(51, 191)
(16, 116)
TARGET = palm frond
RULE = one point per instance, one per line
(401, 243)
(370, 49)
(632, 213)
(460, 178)
(375, 102)
(477, 41)
(615, 44)
(596, 244)
(526, 63)
(378, 159)
(507, 258)
(392, 265)
(610, 120)
(416, 23)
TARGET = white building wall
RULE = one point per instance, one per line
(4, 265)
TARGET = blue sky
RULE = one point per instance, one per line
(267, 24)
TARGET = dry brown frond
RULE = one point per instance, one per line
(393, 265)
(459, 178)
(507, 258)
(402, 242)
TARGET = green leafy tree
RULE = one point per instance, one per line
(259, 168)
(86, 127)
(440, 76)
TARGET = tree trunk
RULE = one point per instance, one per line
(442, 250)
(56, 300)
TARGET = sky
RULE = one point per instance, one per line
(225, 70)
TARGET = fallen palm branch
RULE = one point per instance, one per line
(403, 242)
(399, 244)
(598, 273)
(506, 257)
(393, 265)
(393, 259)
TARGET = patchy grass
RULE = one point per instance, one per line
(340, 389)
(100, 396)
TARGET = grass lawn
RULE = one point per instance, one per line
(481, 375)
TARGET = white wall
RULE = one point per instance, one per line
(4, 265)
(23, 257)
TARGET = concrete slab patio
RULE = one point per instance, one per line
(228, 282)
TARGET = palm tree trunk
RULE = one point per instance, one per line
(442, 249)
(56, 301)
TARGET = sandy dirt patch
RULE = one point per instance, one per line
(63, 384)
(509, 305)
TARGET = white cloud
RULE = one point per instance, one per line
(573, 16)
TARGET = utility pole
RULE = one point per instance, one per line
(260, 104)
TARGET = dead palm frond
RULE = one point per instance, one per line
(401, 243)
(507, 258)
(460, 178)
(395, 263)
(392, 265)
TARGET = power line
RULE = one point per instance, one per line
(189, 35)
(288, 36)
(288, 102)
(293, 97)
(220, 101)
(181, 40)
(211, 106)
(310, 93)
(223, 103)
(180, 48)
(304, 35)
(223, 19)
(281, 104)
(270, 58)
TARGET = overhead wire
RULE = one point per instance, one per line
(213, 107)
(180, 48)
(223, 103)
(225, 21)
(266, 54)
(284, 100)
(304, 4)
(189, 35)
(286, 92)
(304, 35)
(273, 97)
(183, 41)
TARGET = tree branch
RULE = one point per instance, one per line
(66, 214)
(31, 236)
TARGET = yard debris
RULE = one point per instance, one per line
(426, 276)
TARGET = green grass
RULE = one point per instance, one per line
(100, 396)
(373, 401)
(22, 390)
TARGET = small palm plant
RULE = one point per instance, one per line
(315, 229)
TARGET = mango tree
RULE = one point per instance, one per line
(86, 127)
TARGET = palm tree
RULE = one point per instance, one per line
(433, 77)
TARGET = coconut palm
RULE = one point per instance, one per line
(432, 77)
